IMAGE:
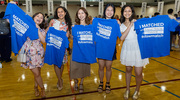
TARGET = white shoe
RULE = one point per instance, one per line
(177, 46)
(173, 45)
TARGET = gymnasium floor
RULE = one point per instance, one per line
(161, 81)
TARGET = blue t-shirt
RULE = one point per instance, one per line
(57, 42)
(22, 26)
(154, 35)
(83, 44)
(106, 33)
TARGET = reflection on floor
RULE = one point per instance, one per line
(161, 81)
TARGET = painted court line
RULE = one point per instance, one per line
(165, 64)
(174, 57)
(153, 83)
(147, 83)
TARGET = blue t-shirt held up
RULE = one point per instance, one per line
(106, 33)
(154, 35)
(22, 26)
(83, 44)
(56, 44)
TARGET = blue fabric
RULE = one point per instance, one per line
(83, 44)
(107, 31)
(154, 35)
(178, 27)
(22, 26)
(57, 42)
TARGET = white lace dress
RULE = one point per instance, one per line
(130, 52)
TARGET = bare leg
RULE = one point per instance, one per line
(37, 76)
(128, 77)
(173, 39)
(138, 73)
(101, 69)
(58, 74)
(179, 41)
(108, 70)
(76, 84)
(81, 88)
(82, 80)
(101, 74)
(128, 81)
(62, 68)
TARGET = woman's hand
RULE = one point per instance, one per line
(134, 20)
(37, 26)
(12, 2)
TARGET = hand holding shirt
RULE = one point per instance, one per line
(57, 42)
(154, 35)
(22, 26)
(83, 44)
(106, 33)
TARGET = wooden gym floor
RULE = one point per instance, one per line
(161, 81)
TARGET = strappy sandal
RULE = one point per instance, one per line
(36, 91)
(43, 95)
(100, 87)
(81, 89)
(108, 87)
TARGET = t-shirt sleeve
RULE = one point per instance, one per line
(47, 35)
(8, 11)
(94, 26)
(93, 33)
(118, 30)
(136, 25)
(173, 24)
(66, 42)
(73, 30)
(33, 33)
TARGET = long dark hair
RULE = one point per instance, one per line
(67, 17)
(77, 20)
(43, 22)
(122, 19)
(104, 14)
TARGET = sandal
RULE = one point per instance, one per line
(100, 87)
(43, 95)
(108, 87)
(81, 89)
(36, 91)
(76, 85)
(126, 94)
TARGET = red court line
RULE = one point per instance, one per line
(75, 94)
(174, 57)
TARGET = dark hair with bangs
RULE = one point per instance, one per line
(104, 14)
(43, 22)
(67, 17)
(87, 20)
(133, 16)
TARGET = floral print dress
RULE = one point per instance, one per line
(35, 53)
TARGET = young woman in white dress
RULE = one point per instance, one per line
(130, 53)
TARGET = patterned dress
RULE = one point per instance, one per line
(61, 26)
(35, 53)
